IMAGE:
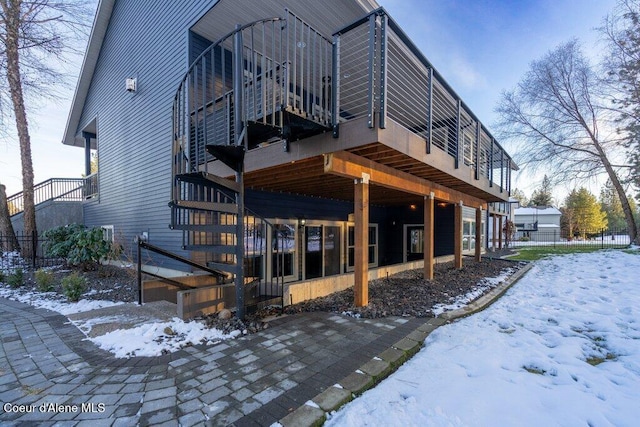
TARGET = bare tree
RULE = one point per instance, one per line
(35, 35)
(556, 118)
(9, 242)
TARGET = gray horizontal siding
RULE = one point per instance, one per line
(149, 41)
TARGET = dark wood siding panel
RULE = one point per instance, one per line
(197, 45)
(148, 42)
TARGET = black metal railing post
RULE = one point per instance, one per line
(139, 255)
(34, 246)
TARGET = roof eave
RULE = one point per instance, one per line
(99, 29)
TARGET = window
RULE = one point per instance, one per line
(108, 233)
(283, 246)
(469, 235)
(351, 246)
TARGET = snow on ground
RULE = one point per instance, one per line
(155, 339)
(483, 286)
(562, 347)
(53, 301)
(151, 339)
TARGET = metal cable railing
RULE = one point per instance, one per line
(379, 71)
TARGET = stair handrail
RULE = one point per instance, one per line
(141, 244)
(40, 190)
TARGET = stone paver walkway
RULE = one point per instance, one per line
(49, 373)
(294, 372)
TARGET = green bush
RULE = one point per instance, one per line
(80, 246)
(73, 286)
(59, 241)
(45, 280)
(1, 276)
(16, 279)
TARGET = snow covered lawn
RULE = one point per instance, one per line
(562, 347)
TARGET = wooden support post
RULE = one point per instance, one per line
(493, 232)
(457, 239)
(429, 202)
(361, 264)
(500, 232)
(478, 234)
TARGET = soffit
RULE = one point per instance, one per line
(327, 16)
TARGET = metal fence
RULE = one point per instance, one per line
(600, 238)
(30, 255)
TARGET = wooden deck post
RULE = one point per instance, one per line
(478, 234)
(457, 239)
(361, 264)
(428, 236)
(500, 232)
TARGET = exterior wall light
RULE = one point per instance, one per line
(130, 84)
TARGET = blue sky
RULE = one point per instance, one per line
(481, 48)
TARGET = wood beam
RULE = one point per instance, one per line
(352, 166)
(457, 238)
(361, 262)
(478, 253)
(429, 202)
(500, 232)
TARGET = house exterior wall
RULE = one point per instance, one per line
(154, 45)
(134, 129)
(547, 222)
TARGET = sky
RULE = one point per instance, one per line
(481, 47)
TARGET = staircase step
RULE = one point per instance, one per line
(207, 179)
(223, 266)
(215, 249)
(230, 155)
(230, 208)
(206, 228)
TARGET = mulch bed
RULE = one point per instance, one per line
(408, 294)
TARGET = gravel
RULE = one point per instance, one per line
(409, 294)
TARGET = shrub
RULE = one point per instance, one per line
(59, 241)
(1, 276)
(524, 239)
(16, 279)
(80, 246)
(45, 280)
(73, 286)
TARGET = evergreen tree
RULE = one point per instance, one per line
(622, 67)
(542, 196)
(611, 206)
(583, 214)
(520, 197)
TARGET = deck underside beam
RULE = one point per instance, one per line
(352, 166)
